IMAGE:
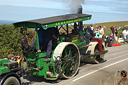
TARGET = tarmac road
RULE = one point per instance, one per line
(90, 74)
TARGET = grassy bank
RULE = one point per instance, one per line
(112, 80)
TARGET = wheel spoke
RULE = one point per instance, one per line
(63, 59)
(70, 52)
(65, 51)
(74, 56)
(63, 65)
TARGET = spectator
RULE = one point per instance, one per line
(99, 27)
(109, 40)
(123, 80)
(91, 27)
(125, 35)
(97, 33)
(102, 30)
(112, 29)
(96, 29)
(106, 41)
(114, 32)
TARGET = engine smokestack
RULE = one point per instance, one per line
(80, 12)
(80, 9)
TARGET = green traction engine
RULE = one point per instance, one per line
(68, 50)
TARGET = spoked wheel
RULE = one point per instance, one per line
(98, 58)
(70, 61)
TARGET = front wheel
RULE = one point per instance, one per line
(98, 58)
(11, 81)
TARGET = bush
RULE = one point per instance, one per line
(9, 40)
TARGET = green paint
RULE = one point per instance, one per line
(3, 69)
(66, 22)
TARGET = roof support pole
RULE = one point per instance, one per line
(37, 38)
(67, 29)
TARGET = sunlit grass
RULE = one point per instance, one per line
(112, 80)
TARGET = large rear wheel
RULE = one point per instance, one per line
(70, 61)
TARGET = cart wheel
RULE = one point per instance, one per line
(11, 81)
(98, 58)
(70, 61)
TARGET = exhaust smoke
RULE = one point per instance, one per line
(74, 5)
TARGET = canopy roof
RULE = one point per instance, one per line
(53, 21)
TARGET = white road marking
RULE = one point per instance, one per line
(117, 57)
(118, 53)
(100, 69)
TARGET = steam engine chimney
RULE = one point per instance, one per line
(80, 12)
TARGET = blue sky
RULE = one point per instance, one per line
(101, 10)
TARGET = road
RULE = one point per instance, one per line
(90, 74)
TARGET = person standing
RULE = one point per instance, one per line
(114, 32)
(102, 31)
(112, 29)
(49, 35)
(92, 27)
(125, 35)
(40, 35)
(98, 34)
(109, 40)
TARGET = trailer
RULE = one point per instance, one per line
(69, 48)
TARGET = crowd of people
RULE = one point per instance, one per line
(110, 39)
